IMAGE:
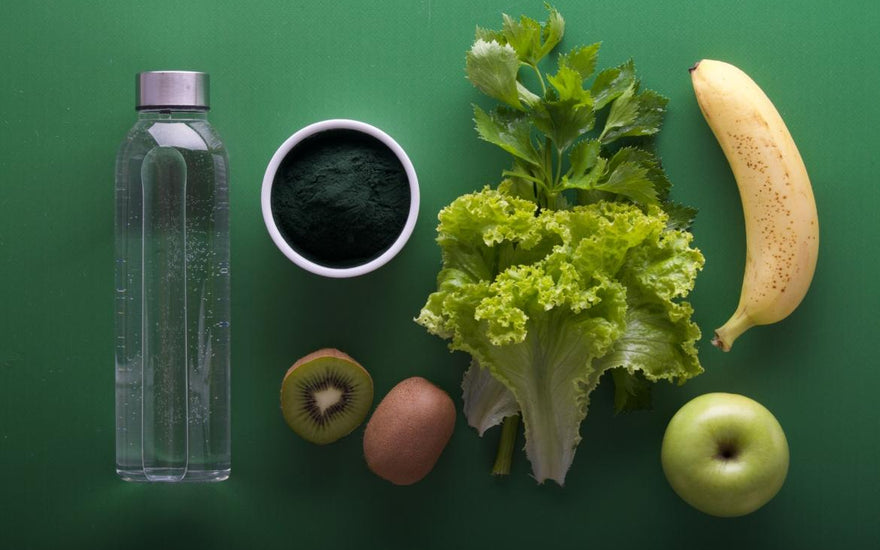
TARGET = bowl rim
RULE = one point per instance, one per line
(269, 179)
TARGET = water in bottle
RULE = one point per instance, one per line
(172, 287)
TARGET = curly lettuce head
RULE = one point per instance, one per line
(546, 301)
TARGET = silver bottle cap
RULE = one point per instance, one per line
(182, 89)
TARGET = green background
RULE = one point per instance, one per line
(66, 101)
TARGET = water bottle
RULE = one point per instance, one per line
(172, 287)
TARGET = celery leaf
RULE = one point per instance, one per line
(680, 216)
(508, 129)
(634, 114)
(563, 121)
(611, 83)
(584, 156)
(582, 60)
(647, 160)
(551, 32)
(631, 181)
(525, 37)
(493, 68)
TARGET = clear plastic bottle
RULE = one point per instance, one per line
(172, 287)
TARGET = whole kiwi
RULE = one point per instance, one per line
(408, 431)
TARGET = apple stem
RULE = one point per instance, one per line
(504, 456)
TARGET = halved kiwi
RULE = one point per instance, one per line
(325, 396)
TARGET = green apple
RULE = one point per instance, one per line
(725, 454)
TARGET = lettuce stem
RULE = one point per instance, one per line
(504, 457)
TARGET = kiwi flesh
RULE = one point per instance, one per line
(325, 396)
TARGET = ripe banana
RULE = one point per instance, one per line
(782, 227)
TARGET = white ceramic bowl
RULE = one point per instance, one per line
(269, 179)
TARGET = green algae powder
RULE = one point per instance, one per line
(340, 198)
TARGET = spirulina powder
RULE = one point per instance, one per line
(340, 198)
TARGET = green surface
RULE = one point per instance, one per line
(66, 100)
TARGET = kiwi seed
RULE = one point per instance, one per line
(325, 396)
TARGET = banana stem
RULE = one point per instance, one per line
(732, 329)
(504, 457)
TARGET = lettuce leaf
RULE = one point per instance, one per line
(487, 402)
(547, 300)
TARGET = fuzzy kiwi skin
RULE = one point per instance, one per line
(408, 431)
